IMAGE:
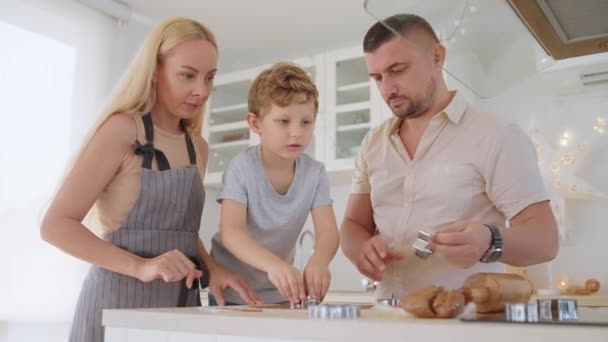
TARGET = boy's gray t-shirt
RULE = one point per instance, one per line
(273, 220)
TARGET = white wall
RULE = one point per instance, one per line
(45, 143)
(28, 331)
(3, 331)
(129, 38)
(73, 24)
(57, 78)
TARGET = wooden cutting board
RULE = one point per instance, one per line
(288, 307)
(273, 307)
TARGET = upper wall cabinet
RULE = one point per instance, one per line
(354, 106)
(349, 105)
(226, 126)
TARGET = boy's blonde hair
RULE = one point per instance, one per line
(282, 84)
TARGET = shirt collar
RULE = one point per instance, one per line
(454, 111)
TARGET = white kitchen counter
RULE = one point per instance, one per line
(233, 324)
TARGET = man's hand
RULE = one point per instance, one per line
(462, 243)
(374, 256)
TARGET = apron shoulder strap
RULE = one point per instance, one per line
(189, 144)
(148, 150)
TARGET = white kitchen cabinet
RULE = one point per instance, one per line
(354, 105)
(226, 126)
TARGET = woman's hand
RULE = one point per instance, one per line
(171, 266)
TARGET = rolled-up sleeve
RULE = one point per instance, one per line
(513, 179)
(360, 181)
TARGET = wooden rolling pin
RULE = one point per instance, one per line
(591, 286)
(491, 291)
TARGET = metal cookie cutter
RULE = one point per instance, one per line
(521, 312)
(543, 310)
(421, 245)
(558, 309)
(305, 303)
(389, 301)
(334, 311)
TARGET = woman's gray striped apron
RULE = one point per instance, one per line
(166, 216)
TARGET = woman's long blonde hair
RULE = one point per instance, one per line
(136, 92)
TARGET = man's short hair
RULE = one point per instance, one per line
(379, 34)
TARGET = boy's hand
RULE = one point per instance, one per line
(288, 281)
(316, 278)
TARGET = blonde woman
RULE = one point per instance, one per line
(142, 168)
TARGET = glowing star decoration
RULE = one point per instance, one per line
(601, 125)
(559, 168)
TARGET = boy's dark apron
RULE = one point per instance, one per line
(166, 216)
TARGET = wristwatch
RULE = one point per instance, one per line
(495, 251)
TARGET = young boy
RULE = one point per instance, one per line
(269, 190)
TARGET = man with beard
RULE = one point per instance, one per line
(442, 166)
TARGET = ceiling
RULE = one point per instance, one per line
(256, 32)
